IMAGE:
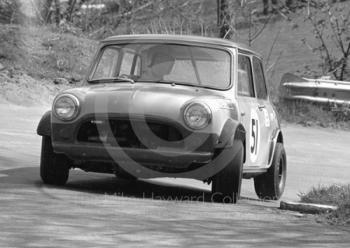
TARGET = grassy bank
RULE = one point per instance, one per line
(36, 60)
(337, 195)
(45, 51)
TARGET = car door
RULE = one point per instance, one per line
(247, 104)
(265, 111)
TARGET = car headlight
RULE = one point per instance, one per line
(197, 115)
(66, 107)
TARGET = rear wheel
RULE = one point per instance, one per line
(270, 185)
(54, 168)
(226, 185)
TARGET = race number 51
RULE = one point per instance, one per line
(254, 136)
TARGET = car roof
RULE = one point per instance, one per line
(181, 39)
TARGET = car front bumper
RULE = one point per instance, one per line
(105, 153)
(144, 163)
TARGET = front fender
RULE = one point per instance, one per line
(232, 130)
(44, 127)
(277, 138)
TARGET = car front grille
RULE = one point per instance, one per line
(128, 133)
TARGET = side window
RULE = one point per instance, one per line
(245, 79)
(259, 79)
(107, 64)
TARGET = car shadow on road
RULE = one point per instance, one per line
(105, 184)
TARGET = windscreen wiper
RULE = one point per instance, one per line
(164, 81)
(160, 81)
(112, 80)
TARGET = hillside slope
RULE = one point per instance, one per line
(32, 58)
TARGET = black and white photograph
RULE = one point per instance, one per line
(174, 123)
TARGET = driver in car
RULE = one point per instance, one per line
(160, 65)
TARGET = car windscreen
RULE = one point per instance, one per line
(164, 63)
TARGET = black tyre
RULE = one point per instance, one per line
(54, 168)
(270, 185)
(226, 184)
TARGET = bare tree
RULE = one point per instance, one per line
(224, 19)
(46, 10)
(70, 9)
(266, 5)
(331, 25)
(57, 12)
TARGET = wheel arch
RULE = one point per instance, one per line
(280, 137)
(277, 138)
(232, 130)
(44, 126)
(240, 134)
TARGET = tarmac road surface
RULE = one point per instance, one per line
(97, 210)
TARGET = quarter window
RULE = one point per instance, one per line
(107, 64)
(245, 79)
(259, 79)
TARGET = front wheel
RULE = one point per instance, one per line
(226, 184)
(270, 185)
(54, 168)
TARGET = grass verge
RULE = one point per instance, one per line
(311, 114)
(337, 195)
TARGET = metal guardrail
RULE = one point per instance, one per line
(322, 91)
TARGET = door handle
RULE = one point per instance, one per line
(261, 107)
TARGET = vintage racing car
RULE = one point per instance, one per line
(169, 106)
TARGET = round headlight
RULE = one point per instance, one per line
(66, 107)
(197, 115)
